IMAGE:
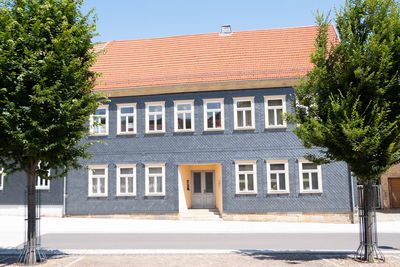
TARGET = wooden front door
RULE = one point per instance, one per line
(395, 192)
(203, 193)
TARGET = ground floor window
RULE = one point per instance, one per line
(155, 179)
(126, 179)
(98, 180)
(42, 183)
(310, 177)
(277, 176)
(246, 177)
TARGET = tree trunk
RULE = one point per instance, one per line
(31, 244)
(368, 206)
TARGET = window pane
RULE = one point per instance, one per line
(184, 106)
(210, 120)
(127, 110)
(123, 124)
(282, 181)
(209, 182)
(314, 181)
(276, 102)
(242, 183)
(126, 170)
(274, 184)
(130, 184)
(244, 104)
(101, 111)
(250, 182)
(188, 121)
(130, 124)
(309, 166)
(279, 118)
(94, 185)
(123, 184)
(197, 182)
(99, 171)
(157, 108)
(248, 118)
(275, 167)
(180, 121)
(217, 119)
(156, 170)
(151, 122)
(306, 181)
(214, 105)
(102, 185)
(240, 118)
(151, 184)
(159, 122)
(247, 167)
(159, 184)
(271, 118)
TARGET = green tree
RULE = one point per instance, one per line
(45, 92)
(349, 103)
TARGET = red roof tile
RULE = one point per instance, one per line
(207, 58)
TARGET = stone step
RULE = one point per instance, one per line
(200, 215)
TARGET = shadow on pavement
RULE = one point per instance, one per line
(10, 256)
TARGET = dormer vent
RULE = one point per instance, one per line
(225, 30)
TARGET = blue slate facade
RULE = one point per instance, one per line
(202, 147)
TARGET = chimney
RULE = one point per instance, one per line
(225, 30)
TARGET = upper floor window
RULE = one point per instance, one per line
(1, 179)
(277, 176)
(275, 107)
(155, 179)
(155, 117)
(98, 180)
(246, 177)
(126, 118)
(310, 177)
(184, 115)
(99, 121)
(213, 114)
(243, 109)
(126, 179)
(42, 183)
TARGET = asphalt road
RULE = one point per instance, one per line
(262, 241)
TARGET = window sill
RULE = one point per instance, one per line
(94, 196)
(126, 133)
(277, 192)
(126, 195)
(275, 127)
(159, 132)
(98, 134)
(214, 130)
(184, 131)
(246, 193)
(310, 192)
(244, 129)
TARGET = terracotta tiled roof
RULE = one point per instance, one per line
(207, 58)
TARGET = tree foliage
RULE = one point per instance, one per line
(349, 104)
(45, 84)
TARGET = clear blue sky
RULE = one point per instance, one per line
(137, 19)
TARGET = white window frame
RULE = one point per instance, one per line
(301, 171)
(205, 110)
(236, 109)
(107, 119)
(1, 179)
(176, 112)
(154, 165)
(90, 182)
(283, 107)
(269, 172)
(254, 172)
(147, 105)
(131, 166)
(41, 183)
(119, 115)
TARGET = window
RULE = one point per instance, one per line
(275, 107)
(1, 179)
(126, 179)
(184, 115)
(155, 179)
(155, 117)
(41, 183)
(98, 179)
(243, 109)
(310, 177)
(277, 176)
(126, 118)
(213, 114)
(246, 177)
(99, 121)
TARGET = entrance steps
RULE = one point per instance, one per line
(200, 215)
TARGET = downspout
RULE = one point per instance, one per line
(353, 219)
(64, 197)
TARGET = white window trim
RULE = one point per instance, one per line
(107, 119)
(235, 120)
(119, 106)
(147, 104)
(119, 166)
(156, 165)
(90, 193)
(39, 184)
(210, 100)
(254, 163)
(1, 179)
(319, 172)
(274, 97)
(286, 171)
(176, 102)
